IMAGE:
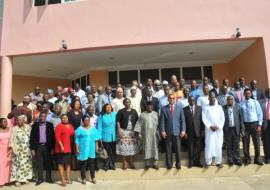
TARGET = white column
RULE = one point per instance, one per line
(6, 86)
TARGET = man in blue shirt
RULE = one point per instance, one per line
(253, 118)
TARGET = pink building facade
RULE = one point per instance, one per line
(113, 36)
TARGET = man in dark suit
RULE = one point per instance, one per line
(148, 84)
(194, 126)
(172, 127)
(265, 105)
(257, 93)
(42, 142)
(149, 98)
(237, 93)
(233, 129)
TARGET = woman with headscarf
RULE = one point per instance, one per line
(21, 170)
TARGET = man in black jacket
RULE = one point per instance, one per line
(42, 142)
(194, 127)
(149, 97)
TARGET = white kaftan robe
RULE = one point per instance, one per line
(213, 116)
(117, 104)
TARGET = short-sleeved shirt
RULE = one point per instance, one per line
(86, 140)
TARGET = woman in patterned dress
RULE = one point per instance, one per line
(127, 145)
(21, 169)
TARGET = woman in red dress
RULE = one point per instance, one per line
(63, 133)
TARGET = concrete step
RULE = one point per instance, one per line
(163, 173)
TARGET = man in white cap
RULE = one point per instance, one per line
(158, 91)
(135, 100)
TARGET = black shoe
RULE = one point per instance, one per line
(199, 165)
(258, 163)
(49, 180)
(169, 167)
(178, 167)
(105, 169)
(39, 182)
(267, 162)
(230, 163)
(146, 167)
(206, 165)
(239, 163)
(112, 168)
(247, 162)
(190, 165)
(155, 167)
(219, 165)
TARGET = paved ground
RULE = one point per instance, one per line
(258, 182)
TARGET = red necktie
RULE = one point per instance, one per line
(172, 109)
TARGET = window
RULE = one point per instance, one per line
(112, 78)
(207, 71)
(83, 81)
(168, 72)
(149, 73)
(48, 2)
(192, 73)
(127, 76)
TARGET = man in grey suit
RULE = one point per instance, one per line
(105, 98)
(233, 129)
(194, 128)
(265, 105)
(172, 128)
(257, 94)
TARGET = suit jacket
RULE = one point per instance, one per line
(34, 136)
(154, 100)
(233, 93)
(194, 123)
(214, 90)
(238, 119)
(260, 94)
(263, 106)
(172, 124)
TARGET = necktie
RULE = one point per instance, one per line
(172, 109)
(191, 109)
(109, 99)
(230, 117)
(239, 95)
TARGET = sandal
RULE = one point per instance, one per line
(69, 181)
(18, 184)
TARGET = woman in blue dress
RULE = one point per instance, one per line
(107, 129)
(86, 138)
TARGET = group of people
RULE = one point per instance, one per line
(70, 126)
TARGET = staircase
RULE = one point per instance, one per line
(185, 172)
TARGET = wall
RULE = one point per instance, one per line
(24, 85)
(99, 77)
(251, 64)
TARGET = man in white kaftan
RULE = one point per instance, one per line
(213, 119)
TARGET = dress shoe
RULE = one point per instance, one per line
(230, 163)
(169, 167)
(247, 162)
(49, 180)
(239, 163)
(39, 182)
(178, 167)
(190, 165)
(258, 163)
(206, 165)
(219, 165)
(267, 162)
(199, 165)
(146, 167)
(155, 167)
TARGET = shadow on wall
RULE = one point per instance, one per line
(28, 5)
